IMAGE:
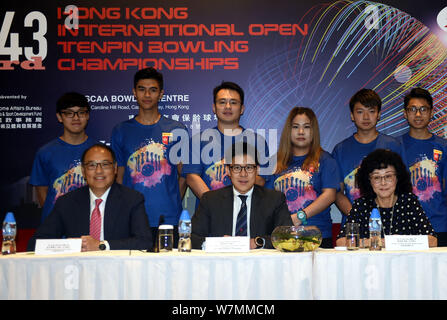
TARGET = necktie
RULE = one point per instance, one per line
(241, 222)
(95, 221)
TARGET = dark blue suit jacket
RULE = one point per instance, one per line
(214, 215)
(126, 224)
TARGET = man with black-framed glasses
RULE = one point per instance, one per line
(57, 165)
(206, 169)
(242, 208)
(104, 214)
(426, 160)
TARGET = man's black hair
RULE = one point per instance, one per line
(72, 99)
(148, 73)
(418, 93)
(229, 86)
(102, 146)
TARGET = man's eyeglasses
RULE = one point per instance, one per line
(224, 102)
(249, 168)
(71, 114)
(378, 179)
(422, 110)
(93, 165)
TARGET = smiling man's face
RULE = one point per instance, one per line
(244, 180)
(99, 170)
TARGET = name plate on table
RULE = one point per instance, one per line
(57, 246)
(406, 242)
(227, 244)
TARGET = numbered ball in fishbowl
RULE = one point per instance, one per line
(296, 239)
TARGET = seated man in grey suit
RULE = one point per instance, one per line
(243, 208)
(106, 215)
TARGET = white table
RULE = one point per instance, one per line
(382, 274)
(259, 274)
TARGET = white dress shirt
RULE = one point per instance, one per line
(102, 207)
(237, 203)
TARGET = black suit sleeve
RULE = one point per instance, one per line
(51, 228)
(282, 213)
(281, 217)
(140, 235)
(200, 223)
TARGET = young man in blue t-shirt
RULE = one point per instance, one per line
(206, 169)
(426, 154)
(142, 146)
(57, 165)
(365, 107)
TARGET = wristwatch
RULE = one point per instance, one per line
(301, 215)
(102, 245)
(260, 242)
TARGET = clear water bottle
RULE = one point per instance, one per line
(375, 230)
(9, 234)
(184, 230)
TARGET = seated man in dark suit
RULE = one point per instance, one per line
(106, 215)
(243, 208)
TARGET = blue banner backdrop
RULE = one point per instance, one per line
(283, 53)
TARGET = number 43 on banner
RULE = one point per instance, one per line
(14, 50)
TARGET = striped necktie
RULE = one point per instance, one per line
(95, 221)
(241, 222)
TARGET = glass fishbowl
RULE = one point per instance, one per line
(296, 238)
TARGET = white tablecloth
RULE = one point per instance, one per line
(259, 274)
(381, 275)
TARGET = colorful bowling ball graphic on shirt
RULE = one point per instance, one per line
(148, 165)
(424, 180)
(69, 181)
(297, 187)
(354, 192)
(218, 175)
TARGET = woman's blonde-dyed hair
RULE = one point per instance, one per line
(285, 154)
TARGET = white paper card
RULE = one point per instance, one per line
(57, 246)
(227, 244)
(406, 242)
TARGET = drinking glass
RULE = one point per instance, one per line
(165, 237)
(352, 235)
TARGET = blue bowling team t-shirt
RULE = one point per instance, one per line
(58, 165)
(143, 150)
(302, 187)
(208, 161)
(427, 163)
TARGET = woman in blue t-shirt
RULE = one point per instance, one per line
(305, 173)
